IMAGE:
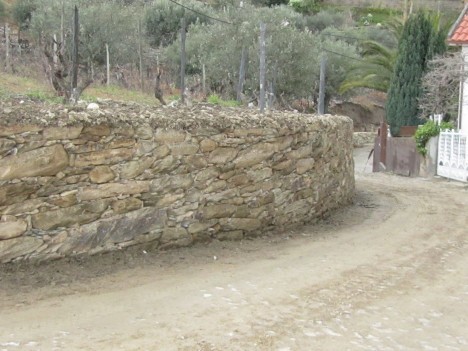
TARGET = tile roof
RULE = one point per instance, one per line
(458, 35)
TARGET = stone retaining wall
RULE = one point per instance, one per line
(78, 181)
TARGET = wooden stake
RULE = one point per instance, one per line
(240, 85)
(323, 69)
(203, 80)
(262, 66)
(76, 41)
(7, 49)
(107, 65)
(182, 59)
(140, 54)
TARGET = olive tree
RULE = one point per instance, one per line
(292, 55)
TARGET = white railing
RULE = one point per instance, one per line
(453, 156)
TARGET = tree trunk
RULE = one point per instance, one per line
(158, 93)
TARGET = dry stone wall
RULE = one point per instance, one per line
(74, 181)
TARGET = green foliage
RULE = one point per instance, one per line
(427, 131)
(101, 23)
(22, 12)
(269, 3)
(379, 54)
(162, 20)
(293, 55)
(326, 19)
(306, 6)
(40, 95)
(419, 41)
(373, 15)
(217, 100)
(2, 10)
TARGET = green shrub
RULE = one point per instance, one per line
(427, 131)
(2, 10)
(371, 15)
(326, 19)
(23, 11)
(305, 6)
(162, 20)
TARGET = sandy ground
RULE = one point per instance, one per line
(389, 272)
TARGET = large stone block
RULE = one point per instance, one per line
(223, 155)
(184, 149)
(144, 132)
(302, 152)
(104, 157)
(281, 143)
(304, 165)
(97, 130)
(260, 174)
(198, 227)
(64, 217)
(19, 129)
(196, 162)
(16, 193)
(17, 247)
(127, 205)
(113, 189)
(168, 199)
(169, 136)
(207, 145)
(6, 145)
(101, 174)
(133, 169)
(23, 207)
(166, 164)
(45, 161)
(57, 133)
(254, 155)
(12, 229)
(114, 230)
(217, 211)
(121, 143)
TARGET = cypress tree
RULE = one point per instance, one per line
(420, 41)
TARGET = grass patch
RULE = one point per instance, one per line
(119, 94)
(12, 85)
(15, 85)
(216, 100)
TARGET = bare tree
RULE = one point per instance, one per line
(441, 85)
(158, 92)
(59, 70)
(63, 76)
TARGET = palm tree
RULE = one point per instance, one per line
(375, 70)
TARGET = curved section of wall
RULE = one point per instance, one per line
(75, 182)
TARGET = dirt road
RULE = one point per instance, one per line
(387, 273)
